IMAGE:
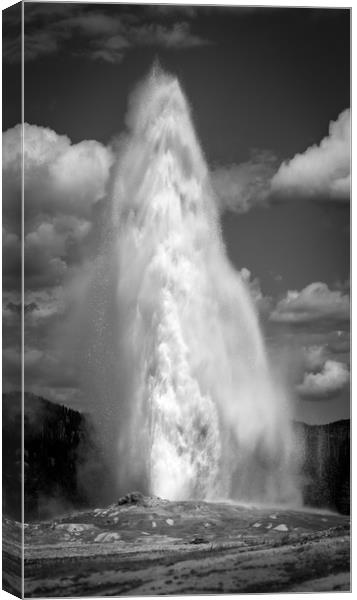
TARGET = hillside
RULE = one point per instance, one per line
(326, 464)
(55, 440)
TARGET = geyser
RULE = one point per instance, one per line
(189, 407)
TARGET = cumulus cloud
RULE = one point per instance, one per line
(315, 302)
(323, 170)
(240, 187)
(64, 183)
(45, 250)
(60, 177)
(64, 187)
(322, 374)
(331, 379)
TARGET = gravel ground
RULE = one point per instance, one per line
(147, 546)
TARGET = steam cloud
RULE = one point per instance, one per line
(175, 366)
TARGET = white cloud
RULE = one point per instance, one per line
(11, 257)
(51, 249)
(63, 185)
(316, 301)
(331, 379)
(323, 170)
(60, 177)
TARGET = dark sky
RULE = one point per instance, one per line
(261, 83)
(269, 78)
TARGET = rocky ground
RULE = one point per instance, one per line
(148, 546)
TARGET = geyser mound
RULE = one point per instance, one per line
(187, 393)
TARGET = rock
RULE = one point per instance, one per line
(74, 527)
(133, 498)
(138, 499)
(107, 537)
(281, 527)
(198, 540)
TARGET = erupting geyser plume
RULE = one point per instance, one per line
(192, 405)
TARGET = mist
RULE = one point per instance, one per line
(172, 360)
